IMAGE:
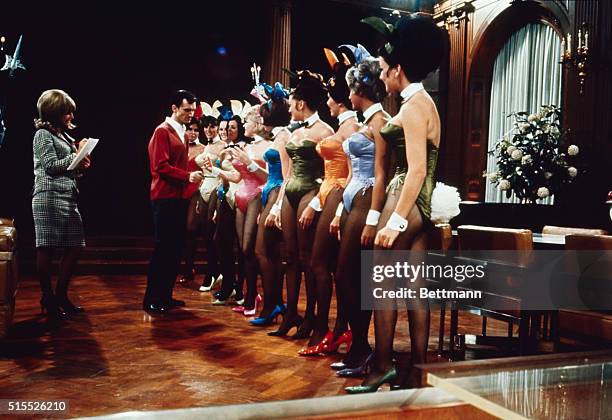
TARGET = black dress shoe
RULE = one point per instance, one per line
(69, 307)
(173, 303)
(156, 308)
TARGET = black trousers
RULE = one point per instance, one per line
(169, 217)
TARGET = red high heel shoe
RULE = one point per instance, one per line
(317, 349)
(332, 346)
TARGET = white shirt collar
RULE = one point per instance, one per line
(257, 139)
(216, 139)
(312, 119)
(410, 90)
(345, 116)
(277, 130)
(179, 128)
(373, 109)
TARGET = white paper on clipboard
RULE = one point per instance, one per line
(87, 149)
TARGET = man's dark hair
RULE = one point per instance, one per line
(178, 97)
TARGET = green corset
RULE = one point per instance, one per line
(394, 135)
(307, 170)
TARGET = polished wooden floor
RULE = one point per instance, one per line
(116, 358)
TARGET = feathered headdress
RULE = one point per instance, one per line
(387, 30)
(276, 93)
(360, 53)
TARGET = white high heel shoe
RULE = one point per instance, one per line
(212, 284)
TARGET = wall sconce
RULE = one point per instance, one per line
(452, 15)
(580, 57)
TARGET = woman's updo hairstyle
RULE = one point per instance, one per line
(310, 88)
(417, 44)
(275, 112)
(364, 80)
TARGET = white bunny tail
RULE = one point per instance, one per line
(444, 203)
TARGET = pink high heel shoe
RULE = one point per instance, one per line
(251, 312)
(238, 308)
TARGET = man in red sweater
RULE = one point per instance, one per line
(168, 163)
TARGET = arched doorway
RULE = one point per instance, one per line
(502, 24)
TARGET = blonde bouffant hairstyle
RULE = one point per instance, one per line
(52, 106)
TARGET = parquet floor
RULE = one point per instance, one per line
(116, 358)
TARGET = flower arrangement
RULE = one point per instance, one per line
(531, 161)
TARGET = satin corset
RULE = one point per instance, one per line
(210, 182)
(394, 135)
(250, 181)
(361, 151)
(335, 164)
(307, 167)
(250, 186)
(275, 173)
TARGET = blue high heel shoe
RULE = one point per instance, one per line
(357, 372)
(267, 320)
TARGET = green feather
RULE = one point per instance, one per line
(291, 73)
(380, 25)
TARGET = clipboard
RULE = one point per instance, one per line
(89, 146)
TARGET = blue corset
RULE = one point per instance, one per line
(361, 151)
(275, 173)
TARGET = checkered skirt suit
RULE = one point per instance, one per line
(57, 219)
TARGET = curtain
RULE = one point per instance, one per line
(526, 75)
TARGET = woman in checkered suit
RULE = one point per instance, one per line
(57, 219)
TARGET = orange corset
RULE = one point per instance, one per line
(336, 166)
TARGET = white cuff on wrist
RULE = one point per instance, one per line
(275, 210)
(339, 209)
(315, 204)
(397, 223)
(253, 166)
(373, 217)
(215, 171)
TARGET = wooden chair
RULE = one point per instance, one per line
(590, 326)
(440, 239)
(9, 275)
(558, 230)
(481, 238)
(550, 331)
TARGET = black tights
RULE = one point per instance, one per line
(267, 250)
(212, 260)
(246, 229)
(44, 258)
(196, 218)
(414, 239)
(225, 235)
(298, 243)
(348, 278)
(324, 251)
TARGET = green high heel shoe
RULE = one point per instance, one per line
(387, 378)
